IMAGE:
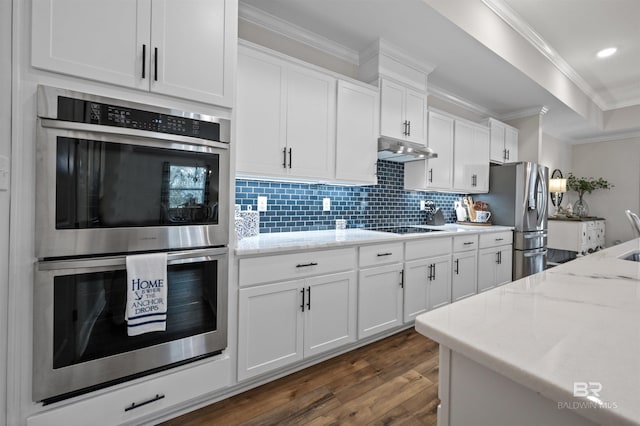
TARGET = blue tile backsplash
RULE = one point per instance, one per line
(298, 206)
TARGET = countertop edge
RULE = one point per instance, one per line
(375, 237)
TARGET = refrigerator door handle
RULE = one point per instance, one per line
(542, 193)
(542, 252)
(536, 235)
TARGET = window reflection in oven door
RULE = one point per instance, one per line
(80, 335)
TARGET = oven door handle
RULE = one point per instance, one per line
(119, 262)
(124, 131)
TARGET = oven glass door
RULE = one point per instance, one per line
(84, 335)
(108, 185)
(103, 192)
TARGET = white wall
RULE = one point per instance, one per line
(556, 154)
(5, 150)
(619, 163)
(529, 137)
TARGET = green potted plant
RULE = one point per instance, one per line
(584, 185)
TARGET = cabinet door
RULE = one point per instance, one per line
(504, 267)
(330, 315)
(416, 116)
(487, 266)
(480, 159)
(311, 114)
(392, 103)
(498, 132)
(463, 283)
(440, 283)
(93, 39)
(270, 327)
(196, 44)
(379, 299)
(439, 170)
(416, 281)
(357, 133)
(463, 160)
(511, 144)
(261, 115)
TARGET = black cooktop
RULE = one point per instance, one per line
(405, 229)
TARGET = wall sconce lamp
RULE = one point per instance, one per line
(557, 187)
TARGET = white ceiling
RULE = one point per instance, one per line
(577, 29)
(468, 69)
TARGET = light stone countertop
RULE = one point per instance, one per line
(281, 242)
(577, 322)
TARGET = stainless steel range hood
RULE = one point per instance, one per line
(398, 150)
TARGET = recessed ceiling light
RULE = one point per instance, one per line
(604, 53)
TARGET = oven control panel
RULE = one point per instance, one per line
(90, 112)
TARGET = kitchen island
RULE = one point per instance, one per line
(561, 347)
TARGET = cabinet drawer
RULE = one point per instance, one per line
(496, 239)
(465, 242)
(265, 269)
(380, 254)
(427, 247)
(167, 391)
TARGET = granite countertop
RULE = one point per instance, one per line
(281, 242)
(579, 321)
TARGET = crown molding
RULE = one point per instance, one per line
(277, 25)
(439, 92)
(527, 112)
(393, 51)
(617, 136)
(515, 21)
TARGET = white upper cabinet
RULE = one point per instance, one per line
(196, 47)
(261, 113)
(471, 157)
(286, 119)
(311, 112)
(511, 144)
(435, 173)
(182, 48)
(356, 133)
(403, 112)
(504, 142)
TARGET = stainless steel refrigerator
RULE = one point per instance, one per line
(518, 197)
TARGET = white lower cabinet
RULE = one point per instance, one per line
(379, 288)
(379, 299)
(495, 260)
(427, 285)
(494, 267)
(148, 397)
(465, 258)
(285, 322)
(427, 275)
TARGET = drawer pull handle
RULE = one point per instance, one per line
(468, 243)
(304, 265)
(134, 405)
(499, 239)
(384, 254)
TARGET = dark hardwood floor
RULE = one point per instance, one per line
(392, 381)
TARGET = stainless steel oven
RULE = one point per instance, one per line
(80, 336)
(114, 176)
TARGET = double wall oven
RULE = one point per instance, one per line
(116, 178)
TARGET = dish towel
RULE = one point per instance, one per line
(146, 308)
